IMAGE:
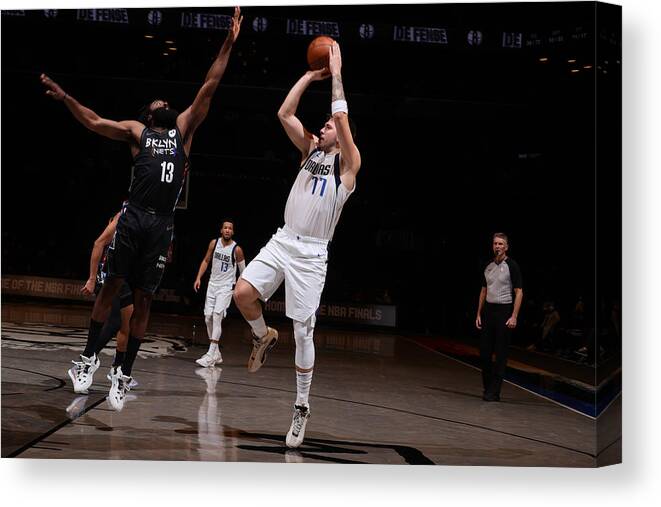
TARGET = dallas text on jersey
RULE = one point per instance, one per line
(316, 168)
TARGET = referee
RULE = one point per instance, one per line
(497, 311)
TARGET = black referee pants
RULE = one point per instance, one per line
(495, 337)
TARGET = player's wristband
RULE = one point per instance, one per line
(242, 266)
(339, 106)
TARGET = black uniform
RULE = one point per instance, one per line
(114, 321)
(500, 280)
(144, 232)
(125, 296)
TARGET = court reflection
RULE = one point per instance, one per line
(213, 443)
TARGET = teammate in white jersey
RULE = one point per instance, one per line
(298, 252)
(227, 258)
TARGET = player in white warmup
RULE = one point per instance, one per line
(227, 258)
(298, 252)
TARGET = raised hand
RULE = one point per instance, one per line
(235, 27)
(53, 89)
(318, 75)
(335, 59)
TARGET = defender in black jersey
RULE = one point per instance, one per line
(117, 323)
(160, 145)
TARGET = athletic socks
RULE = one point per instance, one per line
(111, 327)
(258, 326)
(92, 337)
(119, 358)
(213, 348)
(303, 382)
(131, 354)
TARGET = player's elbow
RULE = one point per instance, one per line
(209, 87)
(94, 124)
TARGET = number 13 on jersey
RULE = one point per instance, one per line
(167, 172)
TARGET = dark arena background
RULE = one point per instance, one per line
(471, 119)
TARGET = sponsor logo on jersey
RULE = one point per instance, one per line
(161, 262)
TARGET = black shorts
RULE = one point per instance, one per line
(139, 249)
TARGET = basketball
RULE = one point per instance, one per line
(318, 52)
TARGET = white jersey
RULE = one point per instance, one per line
(223, 265)
(317, 196)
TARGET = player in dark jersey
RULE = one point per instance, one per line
(160, 147)
(122, 305)
(117, 323)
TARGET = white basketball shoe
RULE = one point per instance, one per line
(82, 373)
(208, 360)
(119, 388)
(297, 429)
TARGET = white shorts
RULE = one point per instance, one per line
(300, 261)
(218, 300)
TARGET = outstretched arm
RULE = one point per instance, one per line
(97, 252)
(129, 131)
(195, 114)
(298, 135)
(204, 265)
(349, 154)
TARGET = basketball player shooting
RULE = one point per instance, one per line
(298, 252)
(160, 145)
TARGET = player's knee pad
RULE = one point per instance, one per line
(217, 329)
(303, 336)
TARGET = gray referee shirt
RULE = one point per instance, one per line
(501, 280)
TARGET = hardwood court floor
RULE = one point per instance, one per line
(374, 399)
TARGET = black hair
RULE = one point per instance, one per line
(144, 112)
